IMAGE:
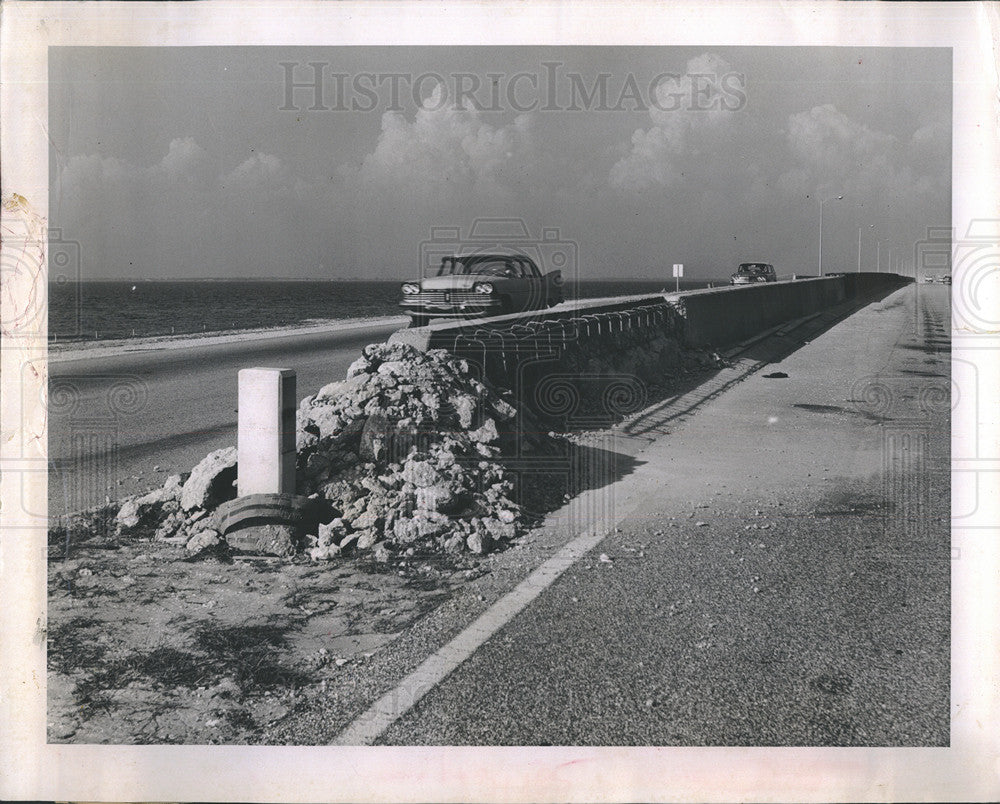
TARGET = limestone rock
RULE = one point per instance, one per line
(272, 540)
(420, 473)
(455, 543)
(140, 513)
(325, 552)
(366, 521)
(422, 525)
(504, 410)
(500, 531)
(202, 541)
(386, 439)
(211, 481)
(486, 434)
(331, 533)
(465, 408)
(169, 527)
(173, 485)
(443, 497)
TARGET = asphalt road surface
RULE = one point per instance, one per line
(122, 424)
(780, 572)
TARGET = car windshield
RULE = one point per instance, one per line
(753, 268)
(480, 265)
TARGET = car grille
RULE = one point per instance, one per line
(448, 297)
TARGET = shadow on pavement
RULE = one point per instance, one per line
(543, 484)
(690, 393)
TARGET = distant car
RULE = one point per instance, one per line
(944, 279)
(481, 285)
(928, 279)
(751, 272)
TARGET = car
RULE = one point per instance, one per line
(751, 272)
(944, 279)
(477, 285)
(928, 279)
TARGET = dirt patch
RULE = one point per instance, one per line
(148, 646)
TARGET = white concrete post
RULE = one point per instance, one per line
(266, 442)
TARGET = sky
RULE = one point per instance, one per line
(176, 163)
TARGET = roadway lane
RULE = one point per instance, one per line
(114, 418)
(781, 574)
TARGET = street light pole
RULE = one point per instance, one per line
(878, 256)
(821, 203)
(870, 226)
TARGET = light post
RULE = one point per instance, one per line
(870, 226)
(821, 203)
(878, 256)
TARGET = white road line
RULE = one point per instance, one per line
(396, 703)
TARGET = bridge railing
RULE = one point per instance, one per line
(516, 351)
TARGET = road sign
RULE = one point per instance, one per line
(678, 273)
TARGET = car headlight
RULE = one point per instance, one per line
(409, 288)
(483, 287)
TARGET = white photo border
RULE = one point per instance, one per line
(31, 768)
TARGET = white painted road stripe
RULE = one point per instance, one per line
(396, 703)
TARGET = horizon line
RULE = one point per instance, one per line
(351, 279)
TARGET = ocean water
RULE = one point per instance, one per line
(113, 310)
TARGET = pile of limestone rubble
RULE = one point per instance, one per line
(405, 452)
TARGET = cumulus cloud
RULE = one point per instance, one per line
(261, 170)
(185, 160)
(448, 149)
(186, 213)
(901, 182)
(89, 178)
(832, 152)
(832, 143)
(693, 114)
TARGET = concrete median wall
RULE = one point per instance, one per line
(713, 316)
(636, 338)
(722, 316)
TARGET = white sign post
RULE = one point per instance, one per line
(265, 444)
(678, 273)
